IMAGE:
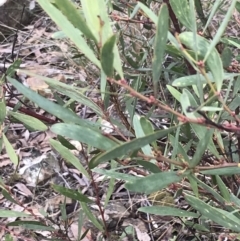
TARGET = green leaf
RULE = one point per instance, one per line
(73, 33)
(214, 8)
(148, 128)
(58, 35)
(211, 108)
(107, 55)
(66, 143)
(140, 133)
(81, 218)
(73, 15)
(149, 12)
(180, 150)
(3, 109)
(213, 61)
(83, 134)
(98, 20)
(91, 217)
(127, 147)
(111, 185)
(68, 156)
(201, 147)
(74, 93)
(57, 110)
(236, 87)
(231, 41)
(187, 100)
(182, 11)
(75, 195)
(8, 237)
(154, 18)
(168, 211)
(63, 210)
(194, 79)
(1, 143)
(116, 175)
(222, 217)
(223, 189)
(235, 200)
(222, 171)
(13, 67)
(191, 80)
(149, 166)
(12, 214)
(193, 184)
(219, 33)
(226, 57)
(160, 45)
(154, 182)
(200, 12)
(10, 151)
(237, 6)
(8, 196)
(209, 189)
(30, 121)
(175, 93)
(33, 225)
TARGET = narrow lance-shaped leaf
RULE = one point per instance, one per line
(175, 93)
(116, 175)
(222, 217)
(154, 18)
(73, 33)
(97, 17)
(73, 92)
(12, 214)
(68, 156)
(182, 11)
(140, 133)
(8, 237)
(148, 128)
(223, 170)
(168, 211)
(201, 147)
(154, 182)
(13, 67)
(193, 79)
(220, 30)
(160, 45)
(57, 110)
(83, 134)
(187, 100)
(223, 188)
(10, 151)
(107, 56)
(91, 217)
(3, 110)
(213, 61)
(30, 121)
(33, 225)
(226, 57)
(127, 147)
(214, 9)
(73, 194)
(73, 15)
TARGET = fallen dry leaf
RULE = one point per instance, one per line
(5, 163)
(36, 84)
(74, 229)
(25, 191)
(142, 236)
